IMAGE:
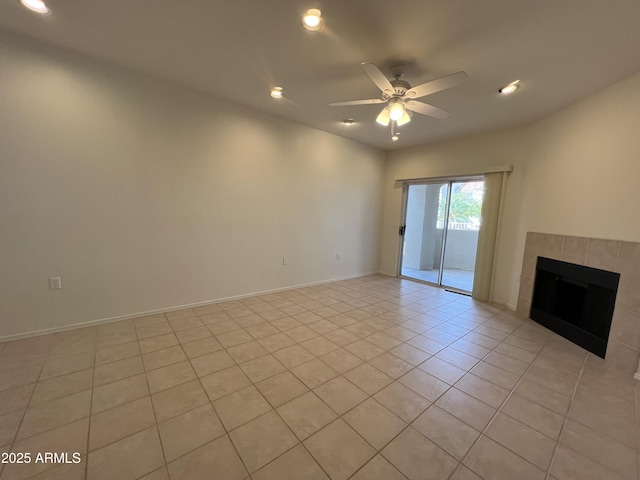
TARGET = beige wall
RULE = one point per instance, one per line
(583, 174)
(576, 172)
(143, 196)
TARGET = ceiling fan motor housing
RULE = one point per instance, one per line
(400, 86)
(399, 89)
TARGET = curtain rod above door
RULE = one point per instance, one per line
(400, 182)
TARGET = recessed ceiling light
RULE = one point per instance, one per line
(348, 121)
(37, 6)
(510, 88)
(312, 20)
(276, 92)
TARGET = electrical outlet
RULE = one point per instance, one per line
(337, 256)
(285, 260)
(55, 283)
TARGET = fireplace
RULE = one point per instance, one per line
(622, 257)
(575, 301)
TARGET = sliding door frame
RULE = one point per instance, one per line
(402, 228)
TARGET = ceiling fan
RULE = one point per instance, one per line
(399, 95)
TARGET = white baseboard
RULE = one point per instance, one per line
(505, 303)
(100, 321)
(388, 274)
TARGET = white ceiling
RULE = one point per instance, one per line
(561, 50)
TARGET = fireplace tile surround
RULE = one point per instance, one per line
(617, 256)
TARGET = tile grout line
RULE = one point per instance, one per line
(38, 379)
(408, 424)
(301, 442)
(459, 462)
(482, 433)
(564, 418)
(94, 358)
(274, 409)
(128, 403)
(153, 409)
(24, 414)
(224, 427)
(48, 356)
(310, 390)
(209, 401)
(93, 376)
(267, 400)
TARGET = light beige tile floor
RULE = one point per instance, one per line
(373, 378)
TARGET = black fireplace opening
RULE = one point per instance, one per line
(575, 301)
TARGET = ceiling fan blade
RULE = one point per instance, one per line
(378, 78)
(436, 85)
(357, 102)
(426, 109)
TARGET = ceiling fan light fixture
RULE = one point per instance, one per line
(276, 92)
(312, 20)
(37, 6)
(404, 119)
(348, 121)
(510, 88)
(397, 111)
(383, 117)
(395, 137)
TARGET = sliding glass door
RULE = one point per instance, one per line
(440, 234)
(422, 249)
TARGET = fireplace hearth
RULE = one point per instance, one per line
(575, 301)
